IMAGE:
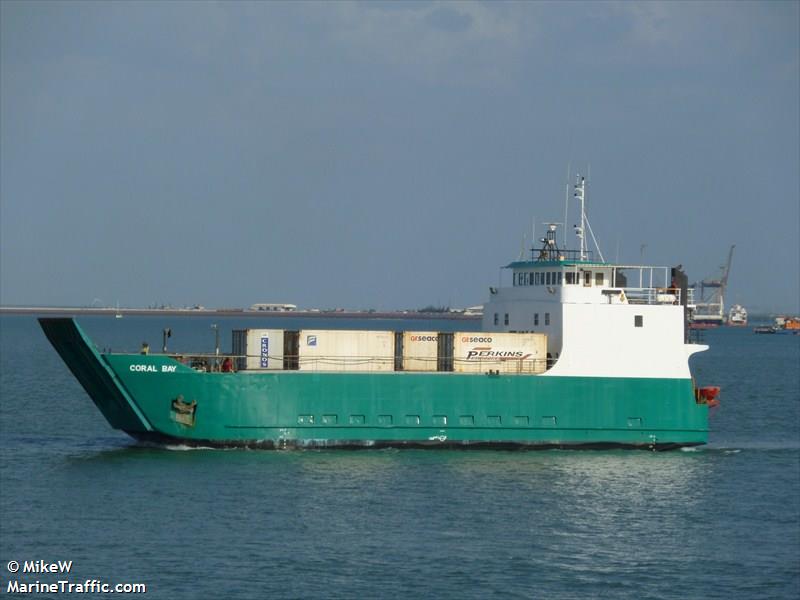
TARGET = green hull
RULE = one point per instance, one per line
(156, 398)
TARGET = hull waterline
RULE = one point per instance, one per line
(155, 398)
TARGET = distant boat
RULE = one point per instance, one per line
(782, 324)
(790, 324)
(737, 316)
(118, 314)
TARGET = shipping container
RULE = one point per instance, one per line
(444, 352)
(343, 350)
(420, 350)
(504, 352)
(258, 349)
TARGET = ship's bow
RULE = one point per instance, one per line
(93, 373)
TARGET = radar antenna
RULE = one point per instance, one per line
(550, 249)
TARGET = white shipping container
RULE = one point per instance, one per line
(504, 352)
(420, 350)
(343, 350)
(258, 349)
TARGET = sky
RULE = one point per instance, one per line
(388, 155)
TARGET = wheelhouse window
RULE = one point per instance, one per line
(599, 279)
(536, 319)
(570, 278)
(587, 279)
(638, 321)
(547, 278)
(547, 318)
(560, 278)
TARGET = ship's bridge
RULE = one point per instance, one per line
(539, 290)
(587, 281)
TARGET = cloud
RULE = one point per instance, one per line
(704, 32)
(651, 23)
(450, 20)
(462, 42)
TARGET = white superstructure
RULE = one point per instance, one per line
(737, 315)
(601, 319)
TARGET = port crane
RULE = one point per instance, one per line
(710, 305)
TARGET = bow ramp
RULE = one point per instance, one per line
(94, 374)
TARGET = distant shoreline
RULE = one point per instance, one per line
(222, 312)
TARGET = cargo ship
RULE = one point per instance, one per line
(737, 316)
(576, 352)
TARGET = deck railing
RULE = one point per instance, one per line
(652, 295)
(648, 295)
(214, 363)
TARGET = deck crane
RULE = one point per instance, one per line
(710, 306)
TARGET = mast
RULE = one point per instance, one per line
(580, 230)
(566, 204)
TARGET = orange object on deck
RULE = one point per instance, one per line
(792, 323)
(708, 395)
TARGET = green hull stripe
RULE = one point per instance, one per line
(294, 408)
(416, 407)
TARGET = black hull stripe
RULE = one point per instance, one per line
(166, 440)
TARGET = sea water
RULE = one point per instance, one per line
(722, 521)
